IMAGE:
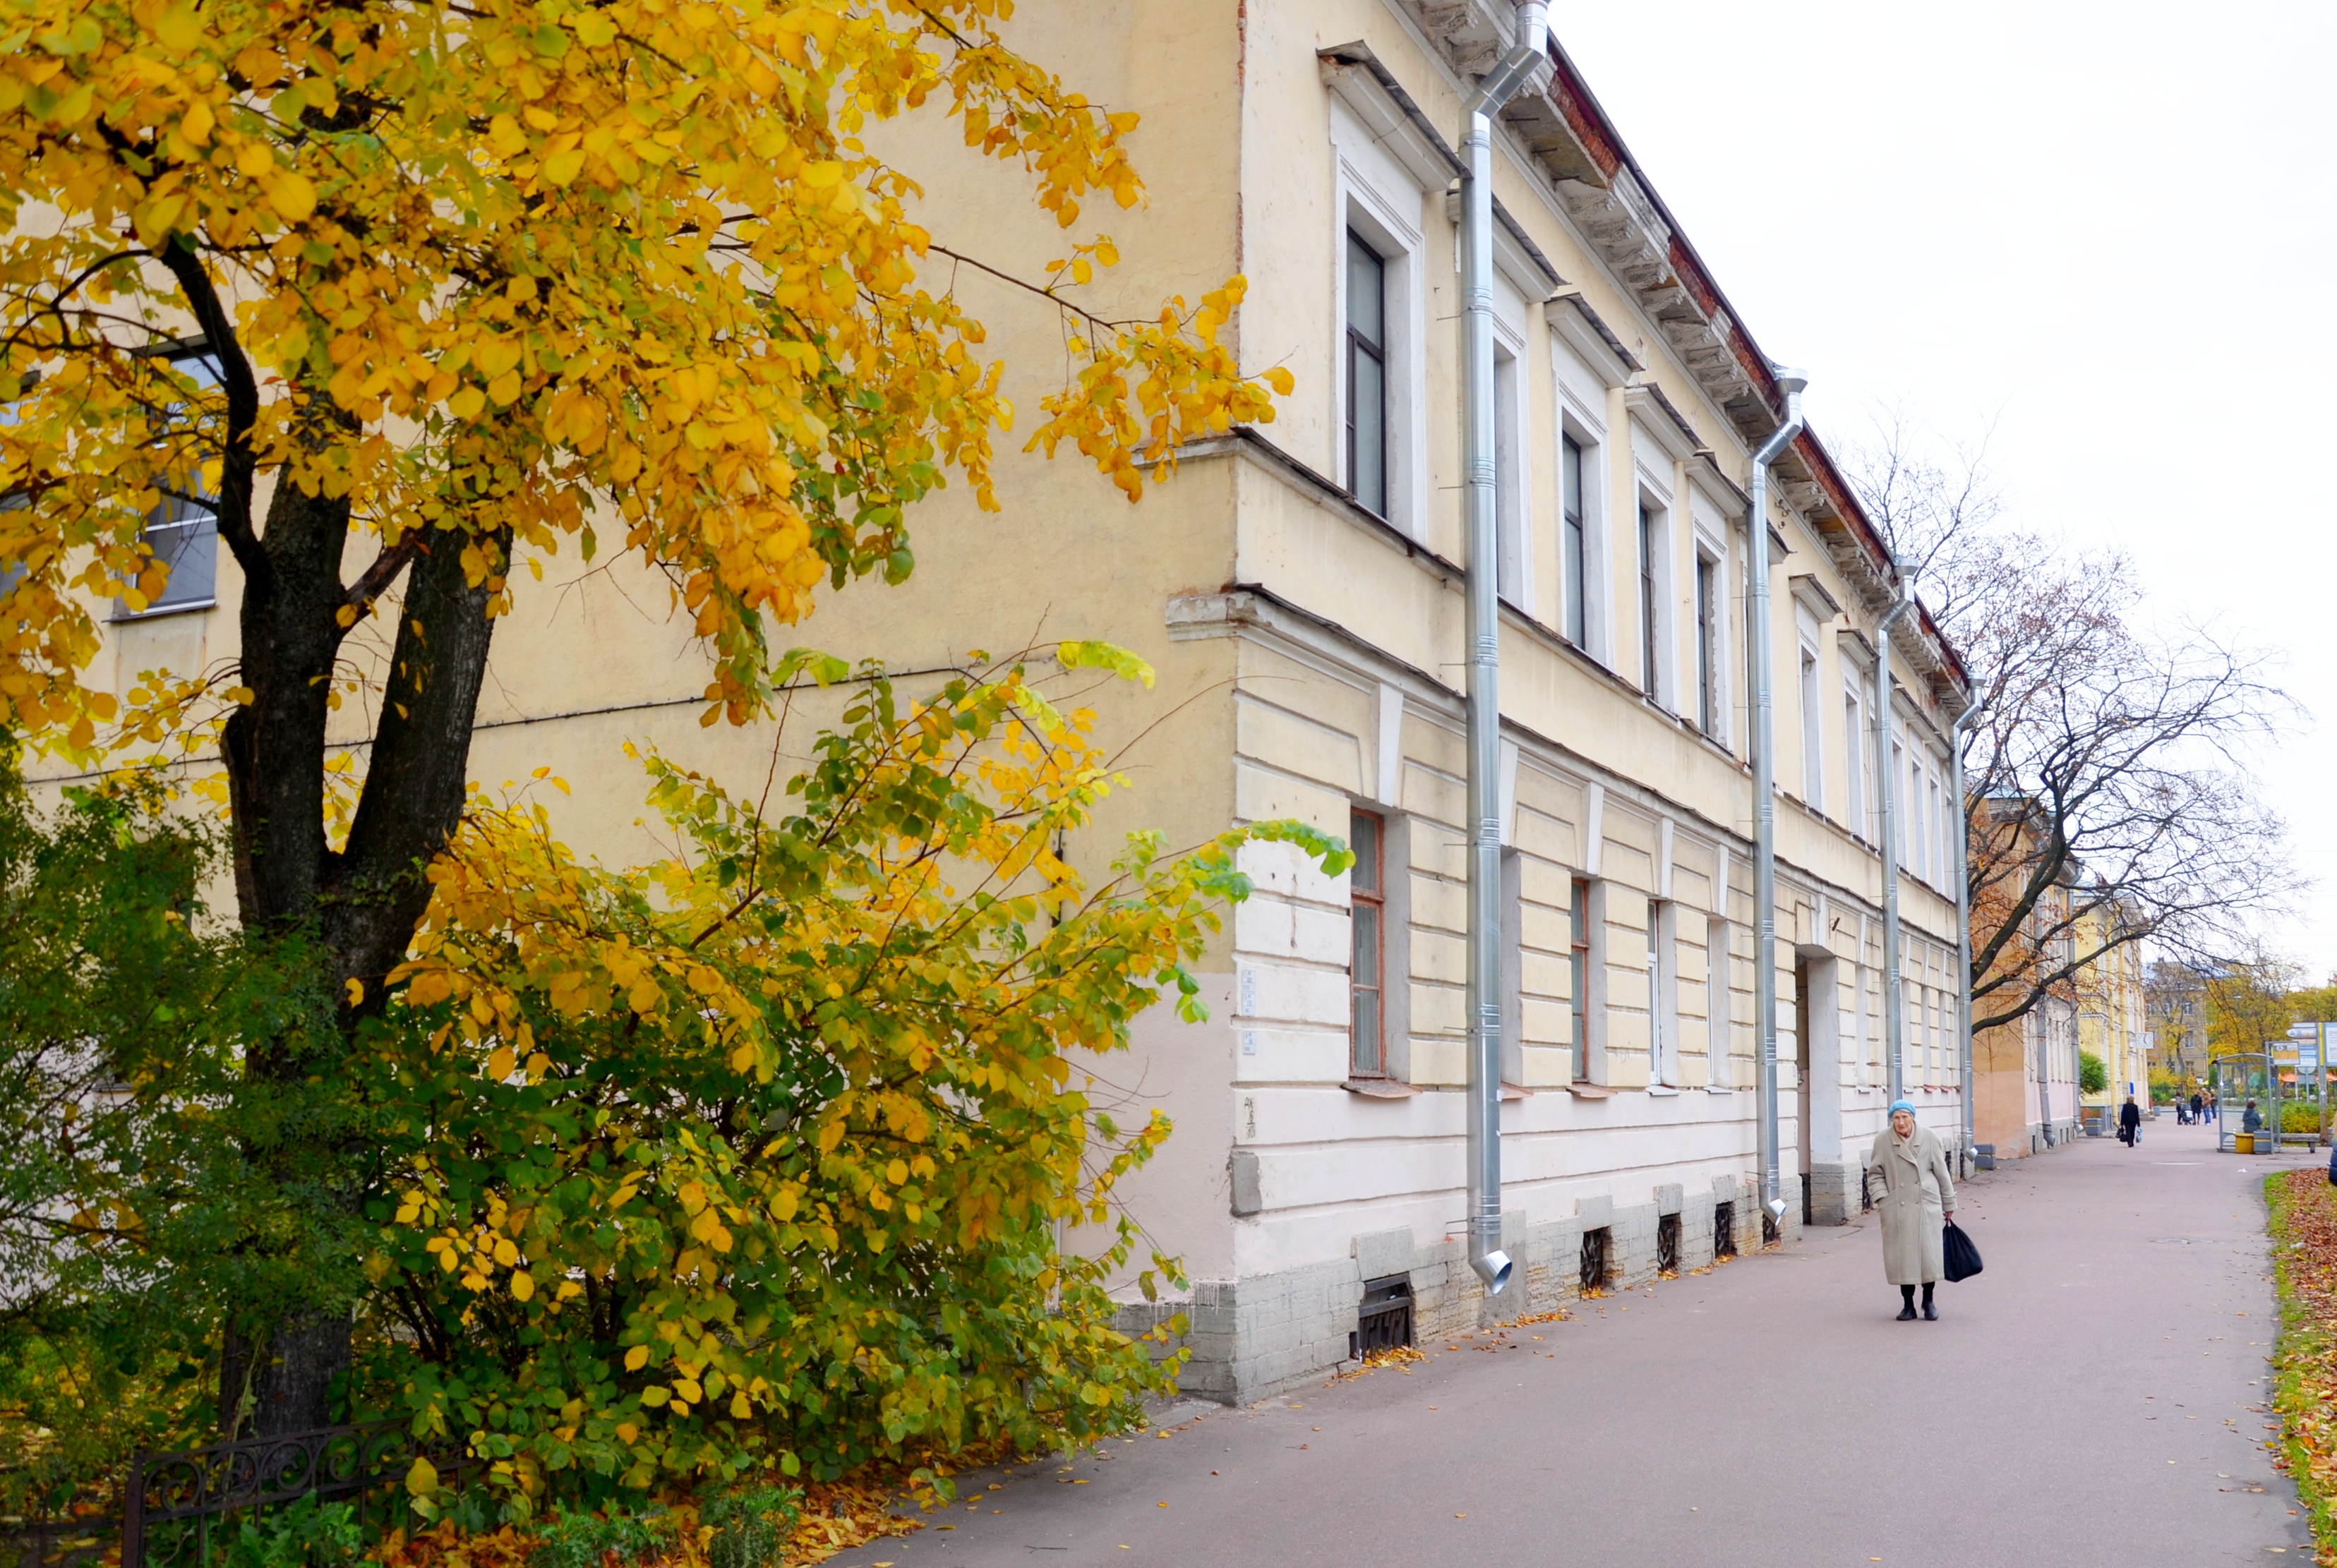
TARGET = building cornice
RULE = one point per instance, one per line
(1598, 185)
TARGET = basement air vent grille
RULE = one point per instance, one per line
(1385, 1321)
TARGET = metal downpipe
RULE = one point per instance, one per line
(1963, 919)
(1765, 785)
(1894, 1004)
(1484, 631)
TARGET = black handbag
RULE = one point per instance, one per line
(1958, 1254)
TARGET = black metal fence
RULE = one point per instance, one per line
(180, 1510)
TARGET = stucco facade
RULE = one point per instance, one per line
(1304, 605)
(1301, 601)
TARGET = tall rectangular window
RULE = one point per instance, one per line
(1573, 562)
(1915, 855)
(1366, 374)
(1898, 845)
(1646, 599)
(182, 530)
(1579, 973)
(1813, 748)
(1509, 489)
(1939, 840)
(1367, 893)
(1718, 1002)
(1662, 1021)
(1707, 643)
(1854, 751)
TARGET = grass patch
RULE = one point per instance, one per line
(2305, 1366)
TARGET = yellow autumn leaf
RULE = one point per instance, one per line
(561, 168)
(292, 195)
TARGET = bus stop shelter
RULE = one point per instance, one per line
(2244, 1083)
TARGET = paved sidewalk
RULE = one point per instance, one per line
(2096, 1397)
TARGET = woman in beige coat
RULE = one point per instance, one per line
(1907, 1176)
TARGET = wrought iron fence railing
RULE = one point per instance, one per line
(181, 1509)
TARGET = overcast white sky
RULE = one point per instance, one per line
(2110, 231)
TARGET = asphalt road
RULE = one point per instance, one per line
(2095, 1397)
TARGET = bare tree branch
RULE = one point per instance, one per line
(2108, 773)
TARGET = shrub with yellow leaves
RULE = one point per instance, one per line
(777, 1153)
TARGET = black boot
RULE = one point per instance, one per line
(1906, 1303)
(1930, 1313)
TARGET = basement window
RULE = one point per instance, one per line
(1724, 1230)
(1667, 1233)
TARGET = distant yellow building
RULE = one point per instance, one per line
(2113, 1014)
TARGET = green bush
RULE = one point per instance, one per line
(2093, 1073)
(751, 1528)
(302, 1533)
(584, 1540)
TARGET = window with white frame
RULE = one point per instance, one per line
(1653, 559)
(1938, 855)
(1650, 601)
(1366, 381)
(1382, 166)
(1918, 841)
(1854, 763)
(1714, 693)
(1943, 830)
(1719, 1005)
(1812, 747)
(1510, 505)
(1581, 950)
(1367, 945)
(1898, 818)
(1662, 994)
(1573, 551)
(1584, 609)
(1709, 704)
(183, 530)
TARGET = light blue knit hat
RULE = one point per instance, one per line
(1899, 1105)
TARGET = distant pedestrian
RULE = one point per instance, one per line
(2198, 1106)
(2130, 1123)
(1907, 1170)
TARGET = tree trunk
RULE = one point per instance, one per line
(283, 1384)
(361, 903)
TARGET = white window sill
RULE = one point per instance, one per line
(162, 611)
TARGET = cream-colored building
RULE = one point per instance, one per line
(1298, 588)
(2114, 1017)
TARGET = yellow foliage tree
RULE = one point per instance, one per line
(434, 289)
